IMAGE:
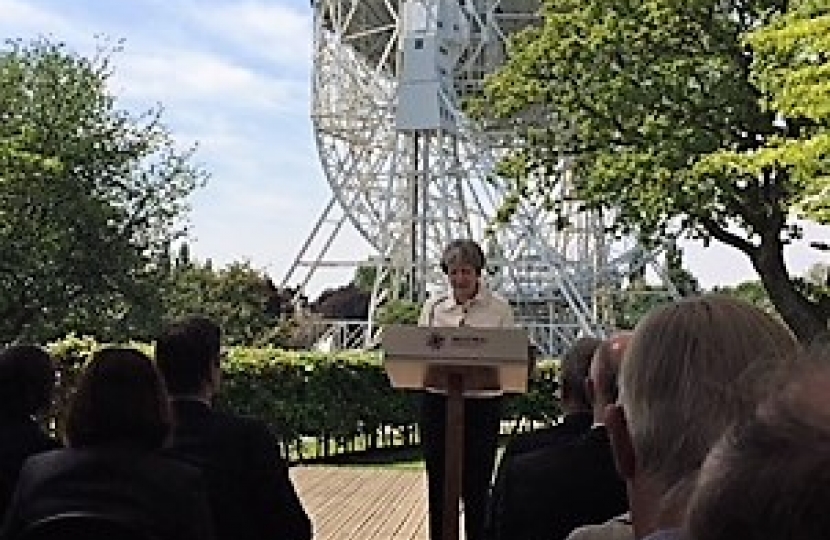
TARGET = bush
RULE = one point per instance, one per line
(326, 396)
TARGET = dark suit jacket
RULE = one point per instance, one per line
(573, 426)
(155, 493)
(547, 493)
(250, 492)
(20, 438)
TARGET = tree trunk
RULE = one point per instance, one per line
(805, 318)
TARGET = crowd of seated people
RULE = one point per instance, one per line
(696, 374)
(708, 421)
(117, 422)
(159, 465)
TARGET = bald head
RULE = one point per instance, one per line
(605, 369)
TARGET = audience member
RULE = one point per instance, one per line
(573, 395)
(770, 477)
(27, 378)
(116, 423)
(693, 368)
(468, 303)
(547, 493)
(250, 490)
(577, 419)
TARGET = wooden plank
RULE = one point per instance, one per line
(363, 502)
(388, 509)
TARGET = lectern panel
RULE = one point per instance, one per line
(489, 359)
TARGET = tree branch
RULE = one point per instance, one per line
(720, 234)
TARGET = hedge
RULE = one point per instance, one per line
(307, 396)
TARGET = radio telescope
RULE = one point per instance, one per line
(411, 172)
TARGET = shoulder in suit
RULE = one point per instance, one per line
(20, 438)
(156, 493)
(549, 492)
(251, 493)
(572, 426)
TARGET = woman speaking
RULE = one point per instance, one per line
(467, 303)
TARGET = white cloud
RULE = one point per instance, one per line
(267, 30)
(30, 19)
(173, 75)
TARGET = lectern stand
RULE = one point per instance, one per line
(456, 362)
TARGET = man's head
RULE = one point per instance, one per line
(27, 378)
(770, 477)
(187, 354)
(463, 262)
(573, 372)
(602, 381)
(692, 369)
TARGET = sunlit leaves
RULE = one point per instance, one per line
(90, 196)
(699, 118)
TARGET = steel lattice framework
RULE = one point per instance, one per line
(409, 186)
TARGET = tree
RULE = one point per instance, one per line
(634, 301)
(242, 300)
(346, 302)
(680, 118)
(683, 280)
(792, 69)
(749, 291)
(399, 312)
(91, 196)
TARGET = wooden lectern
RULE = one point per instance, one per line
(457, 361)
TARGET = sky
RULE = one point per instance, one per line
(234, 77)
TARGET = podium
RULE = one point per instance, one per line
(458, 362)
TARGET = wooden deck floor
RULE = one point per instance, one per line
(363, 503)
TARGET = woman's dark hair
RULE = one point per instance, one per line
(27, 379)
(120, 399)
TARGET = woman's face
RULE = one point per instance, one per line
(463, 280)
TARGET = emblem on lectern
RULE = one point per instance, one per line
(435, 340)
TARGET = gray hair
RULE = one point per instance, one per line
(692, 369)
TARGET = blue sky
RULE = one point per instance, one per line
(234, 75)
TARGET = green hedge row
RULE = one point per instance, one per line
(324, 396)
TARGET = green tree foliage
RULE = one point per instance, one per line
(398, 312)
(639, 297)
(791, 67)
(241, 299)
(749, 291)
(683, 118)
(815, 283)
(90, 196)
